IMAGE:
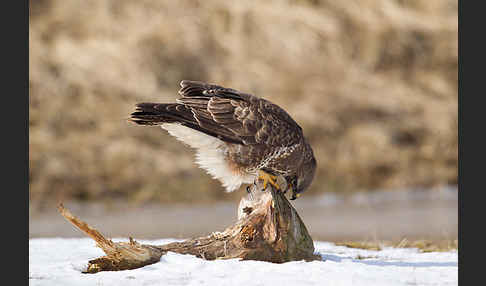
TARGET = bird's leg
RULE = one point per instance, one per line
(268, 178)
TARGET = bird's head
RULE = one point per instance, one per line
(303, 179)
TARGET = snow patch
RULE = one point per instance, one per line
(60, 261)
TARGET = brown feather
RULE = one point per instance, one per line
(258, 134)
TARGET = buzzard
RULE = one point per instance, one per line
(238, 136)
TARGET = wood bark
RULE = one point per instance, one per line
(268, 229)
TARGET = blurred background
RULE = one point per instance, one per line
(373, 83)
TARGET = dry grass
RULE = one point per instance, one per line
(361, 244)
(424, 245)
(373, 83)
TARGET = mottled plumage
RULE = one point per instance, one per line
(235, 134)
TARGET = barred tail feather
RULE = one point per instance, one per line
(159, 113)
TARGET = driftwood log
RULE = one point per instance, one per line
(268, 229)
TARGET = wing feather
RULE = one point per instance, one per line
(252, 119)
(225, 113)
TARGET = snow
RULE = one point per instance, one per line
(60, 261)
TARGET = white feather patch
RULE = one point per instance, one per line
(210, 155)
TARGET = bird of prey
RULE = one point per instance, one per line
(239, 137)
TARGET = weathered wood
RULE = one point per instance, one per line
(268, 229)
(119, 255)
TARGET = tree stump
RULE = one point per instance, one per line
(268, 229)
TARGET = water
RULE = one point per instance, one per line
(380, 215)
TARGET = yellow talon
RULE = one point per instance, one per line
(268, 178)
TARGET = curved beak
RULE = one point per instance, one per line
(294, 196)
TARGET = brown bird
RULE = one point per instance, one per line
(239, 137)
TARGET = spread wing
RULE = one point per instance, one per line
(225, 113)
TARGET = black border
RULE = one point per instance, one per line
(15, 139)
(459, 146)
